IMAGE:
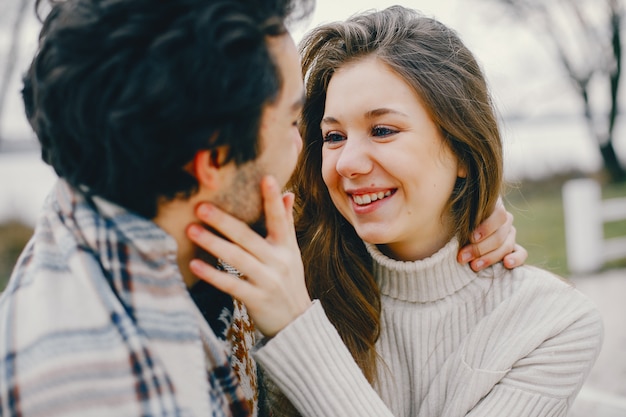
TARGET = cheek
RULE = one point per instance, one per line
(329, 174)
(446, 163)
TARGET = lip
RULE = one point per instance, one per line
(372, 197)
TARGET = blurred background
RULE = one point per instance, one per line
(555, 71)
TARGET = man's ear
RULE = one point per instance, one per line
(206, 166)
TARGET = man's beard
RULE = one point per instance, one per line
(243, 200)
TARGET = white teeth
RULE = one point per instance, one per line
(364, 199)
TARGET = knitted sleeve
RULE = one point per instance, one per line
(528, 359)
(310, 364)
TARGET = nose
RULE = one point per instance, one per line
(354, 158)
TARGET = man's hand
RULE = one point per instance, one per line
(494, 241)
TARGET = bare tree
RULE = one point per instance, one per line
(585, 36)
(11, 57)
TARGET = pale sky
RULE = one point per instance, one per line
(522, 75)
(518, 67)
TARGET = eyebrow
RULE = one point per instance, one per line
(382, 111)
(368, 115)
(329, 121)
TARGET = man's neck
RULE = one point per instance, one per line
(174, 217)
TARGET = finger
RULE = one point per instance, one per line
(221, 248)
(223, 281)
(502, 238)
(497, 240)
(288, 202)
(492, 224)
(488, 236)
(495, 255)
(230, 227)
(276, 220)
(516, 258)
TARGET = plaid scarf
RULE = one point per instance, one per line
(96, 321)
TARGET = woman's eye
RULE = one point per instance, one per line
(382, 131)
(333, 137)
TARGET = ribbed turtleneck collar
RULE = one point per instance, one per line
(422, 281)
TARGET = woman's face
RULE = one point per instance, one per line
(384, 161)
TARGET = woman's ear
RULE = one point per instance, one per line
(461, 170)
(206, 166)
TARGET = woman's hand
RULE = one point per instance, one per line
(494, 241)
(273, 287)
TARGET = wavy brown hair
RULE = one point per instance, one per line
(432, 59)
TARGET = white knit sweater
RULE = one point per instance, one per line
(453, 343)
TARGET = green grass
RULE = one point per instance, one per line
(13, 237)
(618, 228)
(538, 211)
(537, 206)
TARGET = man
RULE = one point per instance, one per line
(144, 108)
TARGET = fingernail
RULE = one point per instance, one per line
(194, 230)
(477, 236)
(270, 182)
(204, 210)
(466, 256)
(195, 265)
(479, 264)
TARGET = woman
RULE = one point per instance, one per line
(400, 124)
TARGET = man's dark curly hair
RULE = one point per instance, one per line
(123, 93)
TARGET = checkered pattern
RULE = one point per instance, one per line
(96, 321)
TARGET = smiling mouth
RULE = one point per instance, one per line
(365, 199)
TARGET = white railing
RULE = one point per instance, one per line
(585, 213)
